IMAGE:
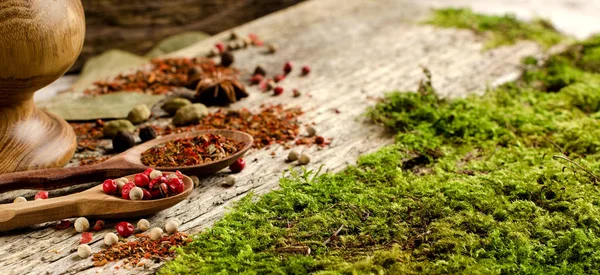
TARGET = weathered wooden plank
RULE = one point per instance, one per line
(358, 50)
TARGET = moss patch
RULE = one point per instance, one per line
(498, 184)
(501, 30)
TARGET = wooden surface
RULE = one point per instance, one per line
(121, 165)
(91, 203)
(39, 41)
(136, 25)
(358, 50)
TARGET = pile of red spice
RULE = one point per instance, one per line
(271, 125)
(88, 135)
(141, 248)
(163, 76)
(190, 151)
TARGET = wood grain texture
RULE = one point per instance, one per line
(121, 165)
(358, 50)
(91, 203)
(39, 41)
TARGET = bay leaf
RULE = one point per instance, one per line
(176, 42)
(105, 65)
(114, 105)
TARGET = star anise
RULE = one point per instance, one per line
(217, 85)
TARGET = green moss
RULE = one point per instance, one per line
(501, 30)
(471, 186)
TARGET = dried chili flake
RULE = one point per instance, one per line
(190, 151)
(132, 252)
(86, 237)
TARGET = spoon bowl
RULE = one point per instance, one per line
(120, 165)
(91, 203)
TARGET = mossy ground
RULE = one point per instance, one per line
(500, 30)
(498, 184)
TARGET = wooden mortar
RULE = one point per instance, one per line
(39, 41)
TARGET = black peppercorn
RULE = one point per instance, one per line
(147, 133)
(123, 141)
(260, 70)
(226, 59)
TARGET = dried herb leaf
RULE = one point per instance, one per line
(176, 42)
(106, 65)
(114, 105)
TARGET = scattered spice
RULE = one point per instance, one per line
(238, 165)
(229, 181)
(278, 90)
(287, 67)
(304, 159)
(63, 224)
(91, 160)
(227, 59)
(122, 141)
(273, 47)
(99, 225)
(110, 239)
(260, 70)
(296, 93)
(86, 237)
(293, 156)
(141, 248)
(305, 70)
(190, 151)
(278, 78)
(256, 79)
(143, 225)
(125, 229)
(84, 251)
(82, 224)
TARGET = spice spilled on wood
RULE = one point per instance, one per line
(141, 248)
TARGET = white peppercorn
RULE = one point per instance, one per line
(273, 47)
(304, 159)
(293, 155)
(136, 194)
(84, 251)
(120, 183)
(143, 225)
(176, 220)
(110, 239)
(82, 224)
(229, 181)
(171, 226)
(155, 233)
(311, 131)
(19, 199)
(155, 174)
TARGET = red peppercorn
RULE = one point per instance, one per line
(126, 189)
(287, 68)
(220, 47)
(305, 70)
(99, 225)
(176, 185)
(155, 182)
(148, 171)
(278, 78)
(63, 224)
(147, 195)
(42, 195)
(164, 190)
(179, 175)
(125, 229)
(296, 93)
(238, 165)
(256, 79)
(155, 193)
(141, 180)
(278, 90)
(319, 140)
(109, 186)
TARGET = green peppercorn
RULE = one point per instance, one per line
(174, 104)
(123, 141)
(111, 128)
(147, 133)
(139, 114)
(190, 114)
(226, 59)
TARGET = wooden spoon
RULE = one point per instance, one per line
(91, 203)
(123, 164)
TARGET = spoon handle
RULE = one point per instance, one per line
(47, 179)
(17, 215)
